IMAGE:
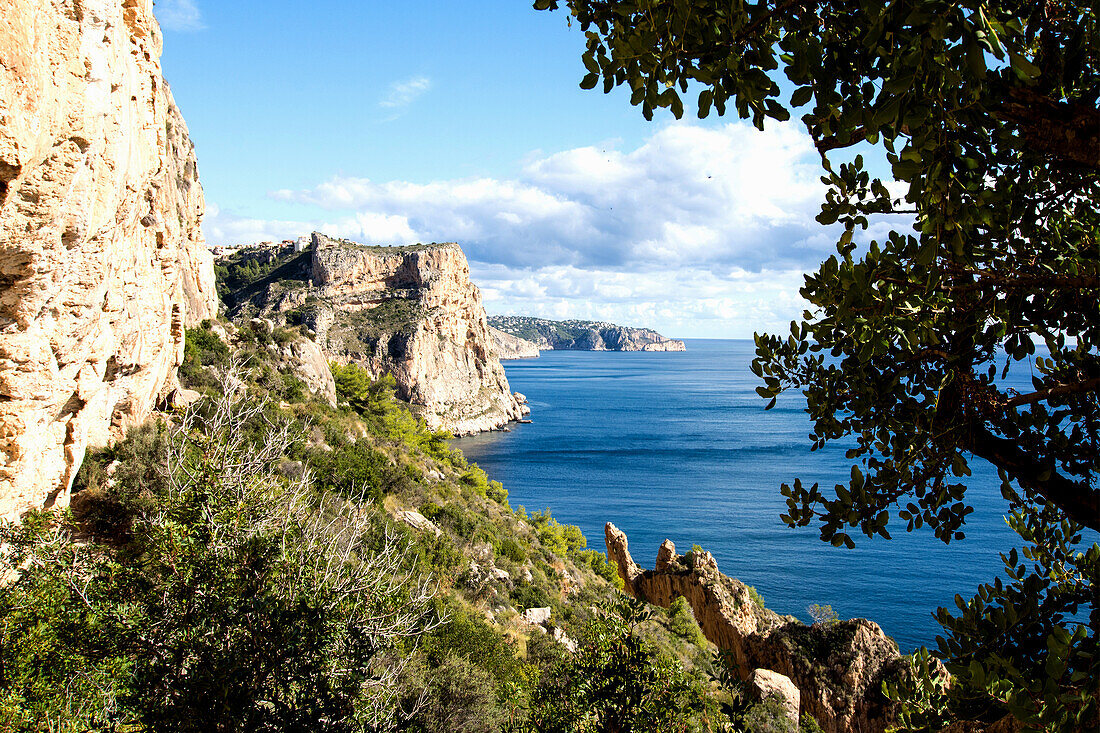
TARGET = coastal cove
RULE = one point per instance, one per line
(679, 446)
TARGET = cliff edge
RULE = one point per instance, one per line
(409, 311)
(102, 262)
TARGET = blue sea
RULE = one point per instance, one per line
(679, 446)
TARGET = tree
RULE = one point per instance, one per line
(986, 113)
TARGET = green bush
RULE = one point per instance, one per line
(512, 550)
(618, 681)
(496, 492)
(201, 347)
(768, 716)
(240, 604)
(600, 565)
(681, 621)
(529, 595)
(467, 635)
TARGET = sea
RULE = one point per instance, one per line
(678, 445)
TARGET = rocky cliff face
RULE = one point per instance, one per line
(409, 311)
(507, 346)
(583, 335)
(837, 668)
(102, 262)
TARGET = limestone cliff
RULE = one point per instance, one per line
(409, 311)
(102, 262)
(838, 668)
(583, 335)
(507, 346)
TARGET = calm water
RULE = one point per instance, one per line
(678, 445)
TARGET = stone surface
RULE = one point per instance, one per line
(837, 669)
(416, 520)
(583, 335)
(309, 363)
(536, 616)
(765, 684)
(506, 346)
(408, 311)
(102, 261)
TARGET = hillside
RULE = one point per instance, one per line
(583, 335)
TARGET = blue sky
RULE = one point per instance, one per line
(397, 122)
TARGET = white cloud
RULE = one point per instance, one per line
(686, 303)
(699, 231)
(179, 15)
(403, 93)
(689, 195)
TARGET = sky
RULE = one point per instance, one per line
(419, 121)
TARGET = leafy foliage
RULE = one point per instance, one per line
(987, 117)
(617, 682)
(240, 602)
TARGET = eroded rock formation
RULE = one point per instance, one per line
(838, 668)
(507, 346)
(102, 262)
(408, 311)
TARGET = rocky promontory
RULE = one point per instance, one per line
(837, 667)
(583, 335)
(408, 311)
(507, 346)
(102, 261)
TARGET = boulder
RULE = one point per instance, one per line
(416, 520)
(535, 616)
(765, 684)
(308, 362)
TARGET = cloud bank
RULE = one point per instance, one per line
(699, 231)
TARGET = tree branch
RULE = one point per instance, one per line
(1080, 502)
(1067, 132)
(1089, 385)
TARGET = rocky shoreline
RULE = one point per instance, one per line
(534, 334)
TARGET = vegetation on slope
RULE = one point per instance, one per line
(239, 567)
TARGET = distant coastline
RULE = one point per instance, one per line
(521, 337)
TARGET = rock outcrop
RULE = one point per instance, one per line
(408, 311)
(583, 335)
(838, 668)
(765, 684)
(102, 261)
(506, 346)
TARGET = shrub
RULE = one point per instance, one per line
(530, 595)
(681, 621)
(512, 550)
(618, 681)
(768, 716)
(822, 614)
(201, 348)
(497, 492)
(240, 604)
(600, 565)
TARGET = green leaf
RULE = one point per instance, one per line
(801, 96)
